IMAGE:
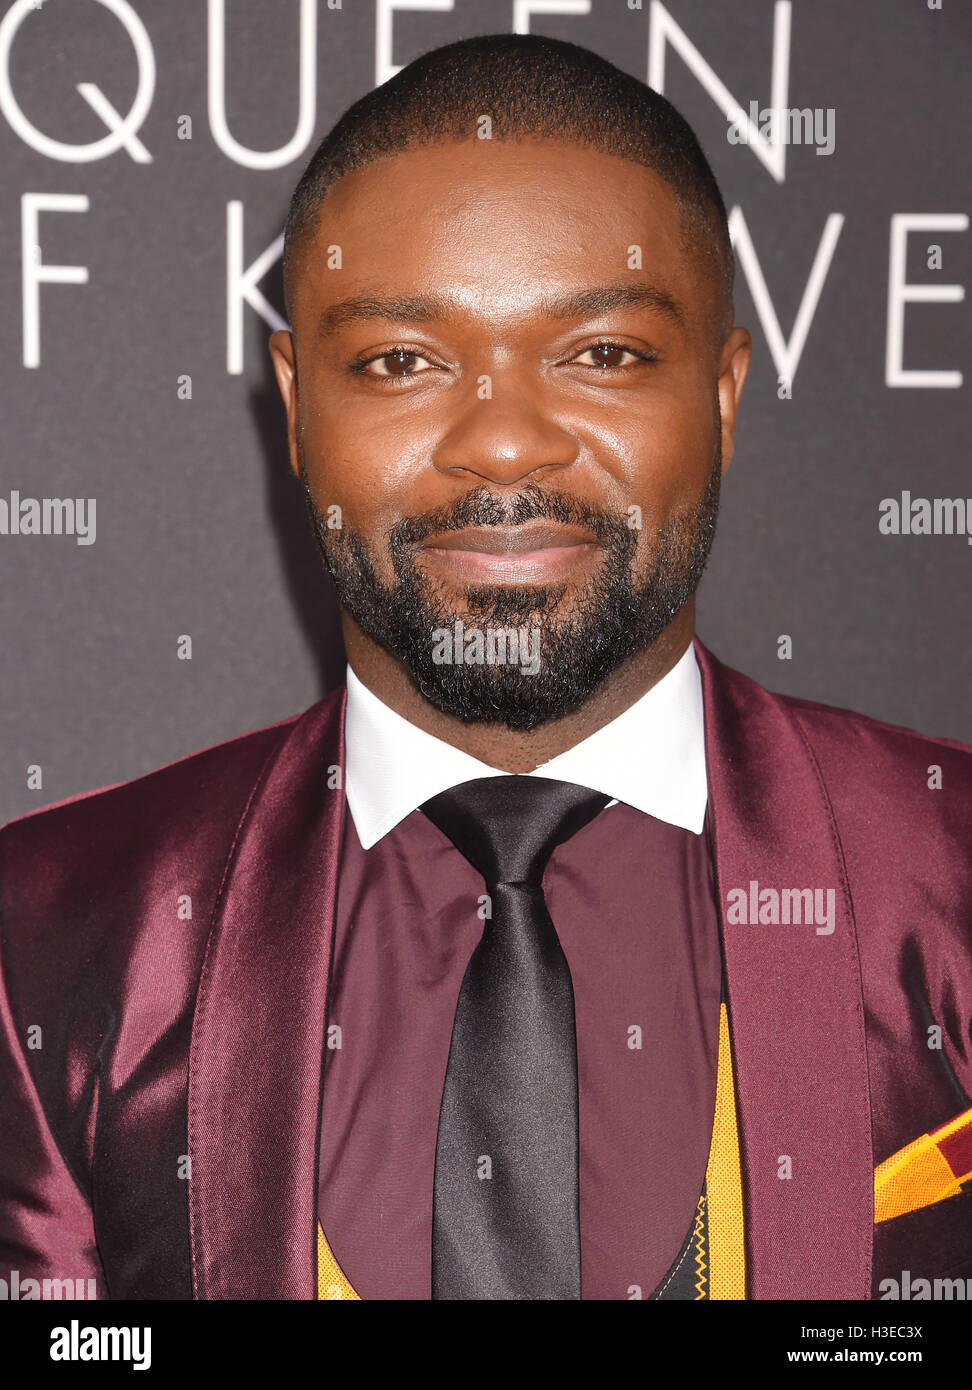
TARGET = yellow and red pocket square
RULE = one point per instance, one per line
(927, 1170)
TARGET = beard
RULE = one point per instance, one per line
(611, 619)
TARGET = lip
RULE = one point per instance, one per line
(511, 540)
(536, 552)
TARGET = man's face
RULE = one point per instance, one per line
(511, 408)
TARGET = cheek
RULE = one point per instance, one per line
(659, 456)
(363, 464)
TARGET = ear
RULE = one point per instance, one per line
(285, 368)
(734, 361)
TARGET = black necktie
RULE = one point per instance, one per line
(505, 1217)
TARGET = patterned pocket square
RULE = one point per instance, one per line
(927, 1170)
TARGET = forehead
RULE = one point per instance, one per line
(493, 223)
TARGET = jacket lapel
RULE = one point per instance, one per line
(256, 1062)
(795, 1003)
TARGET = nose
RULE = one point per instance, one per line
(504, 439)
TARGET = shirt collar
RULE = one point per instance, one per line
(652, 757)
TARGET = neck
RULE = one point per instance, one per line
(508, 749)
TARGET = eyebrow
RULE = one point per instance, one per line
(435, 308)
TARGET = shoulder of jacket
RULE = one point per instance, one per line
(181, 796)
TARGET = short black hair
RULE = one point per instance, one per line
(531, 88)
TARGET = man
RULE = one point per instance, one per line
(549, 958)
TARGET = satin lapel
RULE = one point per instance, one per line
(258, 1033)
(795, 1003)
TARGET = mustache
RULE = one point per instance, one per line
(484, 508)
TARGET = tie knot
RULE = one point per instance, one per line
(508, 827)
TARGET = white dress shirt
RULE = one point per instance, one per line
(652, 757)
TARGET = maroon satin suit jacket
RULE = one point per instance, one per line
(163, 1138)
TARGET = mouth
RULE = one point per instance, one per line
(538, 552)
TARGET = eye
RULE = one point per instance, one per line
(399, 362)
(609, 357)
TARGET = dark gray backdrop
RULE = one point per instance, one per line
(200, 527)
